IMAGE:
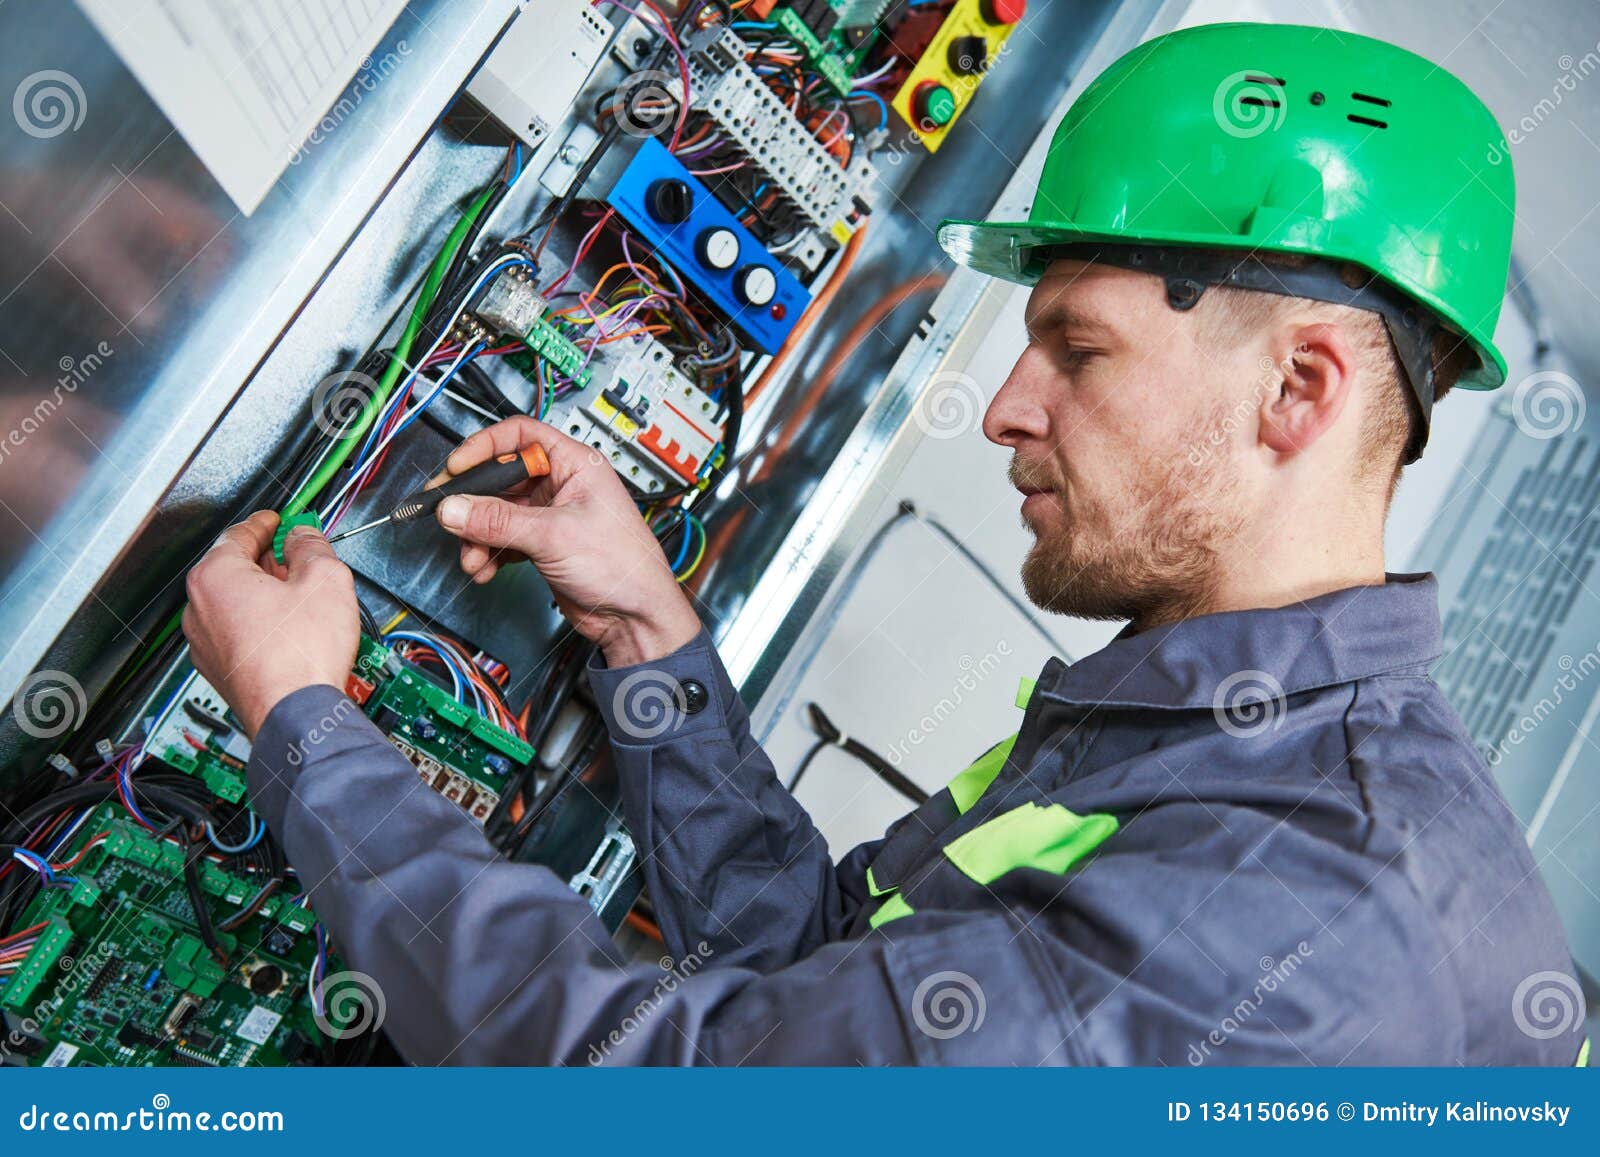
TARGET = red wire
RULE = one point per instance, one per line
(87, 848)
(24, 933)
(683, 75)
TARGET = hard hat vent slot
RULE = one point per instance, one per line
(1381, 102)
(1268, 100)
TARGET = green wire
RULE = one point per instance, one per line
(397, 362)
(369, 412)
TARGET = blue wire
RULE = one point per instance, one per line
(411, 416)
(456, 677)
(400, 391)
(883, 108)
(126, 776)
(688, 537)
(257, 830)
(753, 24)
(40, 865)
(516, 152)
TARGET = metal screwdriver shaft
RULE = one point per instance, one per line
(492, 477)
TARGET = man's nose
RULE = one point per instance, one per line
(1016, 415)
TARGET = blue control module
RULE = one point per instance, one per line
(688, 226)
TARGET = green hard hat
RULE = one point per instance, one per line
(1270, 138)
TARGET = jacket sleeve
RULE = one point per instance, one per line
(482, 961)
(729, 855)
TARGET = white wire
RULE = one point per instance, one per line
(872, 76)
(383, 443)
(492, 270)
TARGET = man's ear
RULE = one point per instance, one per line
(1315, 371)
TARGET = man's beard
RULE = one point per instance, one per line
(1152, 560)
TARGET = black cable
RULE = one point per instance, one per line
(805, 762)
(829, 734)
(482, 388)
(560, 779)
(570, 655)
(909, 508)
(192, 851)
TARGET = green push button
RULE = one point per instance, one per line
(935, 106)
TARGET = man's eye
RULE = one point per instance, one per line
(1075, 359)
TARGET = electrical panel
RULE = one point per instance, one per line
(653, 424)
(672, 210)
(664, 201)
(829, 195)
(528, 83)
(941, 84)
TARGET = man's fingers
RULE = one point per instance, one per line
(247, 540)
(503, 437)
(492, 522)
(473, 557)
(567, 456)
(307, 552)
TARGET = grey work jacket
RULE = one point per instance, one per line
(1257, 837)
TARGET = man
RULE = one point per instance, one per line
(1249, 830)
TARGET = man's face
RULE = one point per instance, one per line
(1127, 428)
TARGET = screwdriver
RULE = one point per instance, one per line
(492, 477)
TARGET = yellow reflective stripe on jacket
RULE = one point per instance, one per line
(893, 908)
(966, 787)
(974, 781)
(1051, 839)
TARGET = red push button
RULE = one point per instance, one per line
(1004, 11)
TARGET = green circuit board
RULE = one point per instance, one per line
(456, 751)
(119, 974)
(838, 61)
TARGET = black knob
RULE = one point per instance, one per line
(969, 55)
(671, 201)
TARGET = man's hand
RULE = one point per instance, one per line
(258, 631)
(584, 533)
